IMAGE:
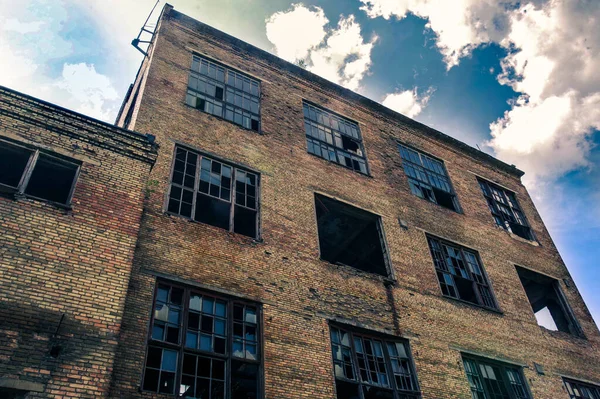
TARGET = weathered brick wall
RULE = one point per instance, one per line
(73, 262)
(301, 293)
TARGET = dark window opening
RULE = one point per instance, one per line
(372, 368)
(223, 92)
(210, 337)
(214, 193)
(505, 209)
(350, 236)
(581, 390)
(334, 138)
(36, 174)
(547, 301)
(490, 379)
(460, 273)
(428, 178)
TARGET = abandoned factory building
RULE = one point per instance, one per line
(269, 234)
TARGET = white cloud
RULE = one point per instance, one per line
(339, 54)
(407, 102)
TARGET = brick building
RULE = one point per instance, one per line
(71, 199)
(300, 240)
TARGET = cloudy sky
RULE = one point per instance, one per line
(519, 79)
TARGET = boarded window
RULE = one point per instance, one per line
(350, 236)
(37, 174)
(548, 303)
(196, 338)
(460, 273)
(214, 192)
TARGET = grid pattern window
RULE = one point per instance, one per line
(202, 346)
(32, 173)
(334, 138)
(460, 273)
(582, 390)
(223, 92)
(505, 209)
(368, 367)
(494, 380)
(428, 178)
(214, 192)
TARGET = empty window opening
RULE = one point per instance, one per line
(506, 210)
(460, 273)
(369, 367)
(581, 390)
(491, 379)
(428, 178)
(36, 174)
(213, 192)
(224, 92)
(350, 236)
(547, 301)
(334, 138)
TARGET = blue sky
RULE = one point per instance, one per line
(518, 79)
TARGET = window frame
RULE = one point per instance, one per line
(234, 166)
(225, 84)
(19, 190)
(384, 339)
(568, 382)
(181, 348)
(511, 203)
(421, 154)
(479, 360)
(474, 281)
(359, 141)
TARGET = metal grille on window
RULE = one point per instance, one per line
(428, 178)
(202, 189)
(367, 367)
(494, 380)
(505, 209)
(223, 92)
(581, 390)
(460, 273)
(334, 138)
(207, 360)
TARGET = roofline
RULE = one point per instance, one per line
(344, 92)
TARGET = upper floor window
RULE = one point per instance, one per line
(581, 390)
(36, 174)
(490, 379)
(351, 236)
(428, 178)
(368, 367)
(505, 209)
(460, 273)
(214, 192)
(548, 302)
(202, 346)
(223, 92)
(334, 138)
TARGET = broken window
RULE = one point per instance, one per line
(547, 301)
(350, 236)
(195, 338)
(505, 209)
(213, 192)
(36, 174)
(334, 138)
(460, 273)
(491, 379)
(369, 367)
(581, 390)
(428, 178)
(223, 92)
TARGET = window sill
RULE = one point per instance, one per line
(251, 240)
(340, 165)
(220, 118)
(563, 335)
(534, 243)
(386, 280)
(460, 212)
(474, 305)
(14, 195)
